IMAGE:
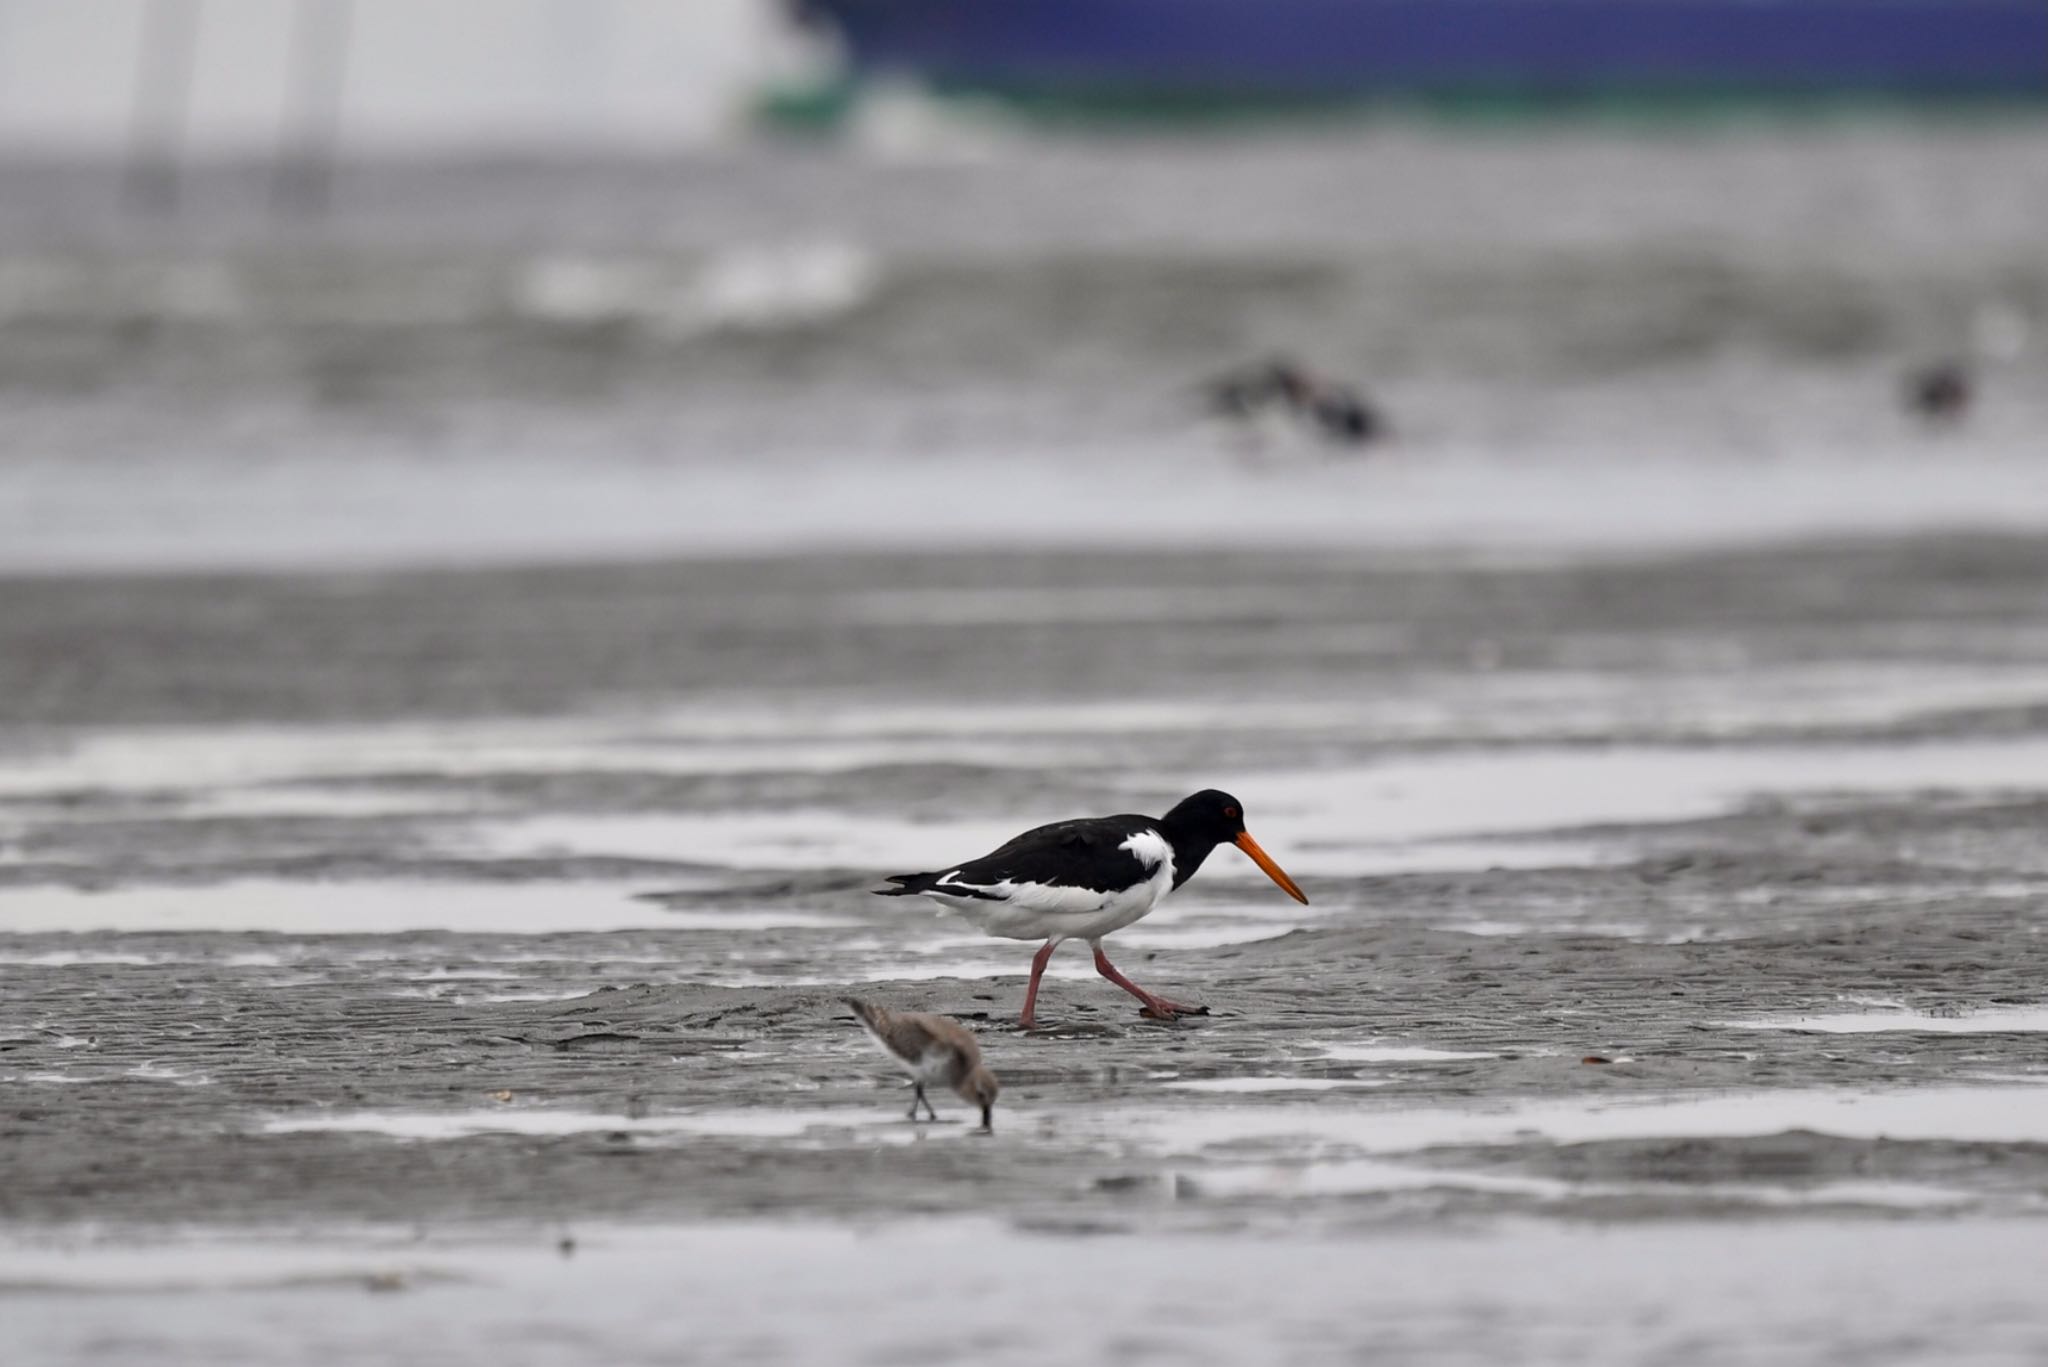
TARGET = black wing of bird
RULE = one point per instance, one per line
(1086, 853)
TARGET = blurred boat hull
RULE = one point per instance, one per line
(1181, 50)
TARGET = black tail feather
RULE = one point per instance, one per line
(907, 884)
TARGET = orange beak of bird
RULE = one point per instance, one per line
(1273, 871)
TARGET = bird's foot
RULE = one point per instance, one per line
(1160, 1009)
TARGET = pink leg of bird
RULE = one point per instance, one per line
(1038, 963)
(1158, 1007)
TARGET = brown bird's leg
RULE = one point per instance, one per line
(1038, 963)
(1157, 1007)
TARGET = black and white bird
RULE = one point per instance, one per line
(1337, 413)
(1243, 392)
(1080, 880)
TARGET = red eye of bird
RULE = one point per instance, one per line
(1230, 811)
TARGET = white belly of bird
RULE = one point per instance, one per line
(1042, 911)
(933, 1067)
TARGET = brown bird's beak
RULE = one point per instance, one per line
(1273, 871)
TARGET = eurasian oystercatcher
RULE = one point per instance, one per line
(1080, 880)
(1243, 392)
(1337, 412)
(935, 1050)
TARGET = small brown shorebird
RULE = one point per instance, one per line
(932, 1049)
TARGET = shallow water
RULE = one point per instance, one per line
(380, 908)
(779, 349)
(1961, 1289)
(1996, 1020)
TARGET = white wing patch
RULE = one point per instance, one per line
(1029, 896)
(1151, 849)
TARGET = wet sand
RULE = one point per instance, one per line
(1672, 983)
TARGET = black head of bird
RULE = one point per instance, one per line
(1941, 391)
(1344, 416)
(979, 1088)
(1201, 821)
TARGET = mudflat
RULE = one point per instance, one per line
(479, 935)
